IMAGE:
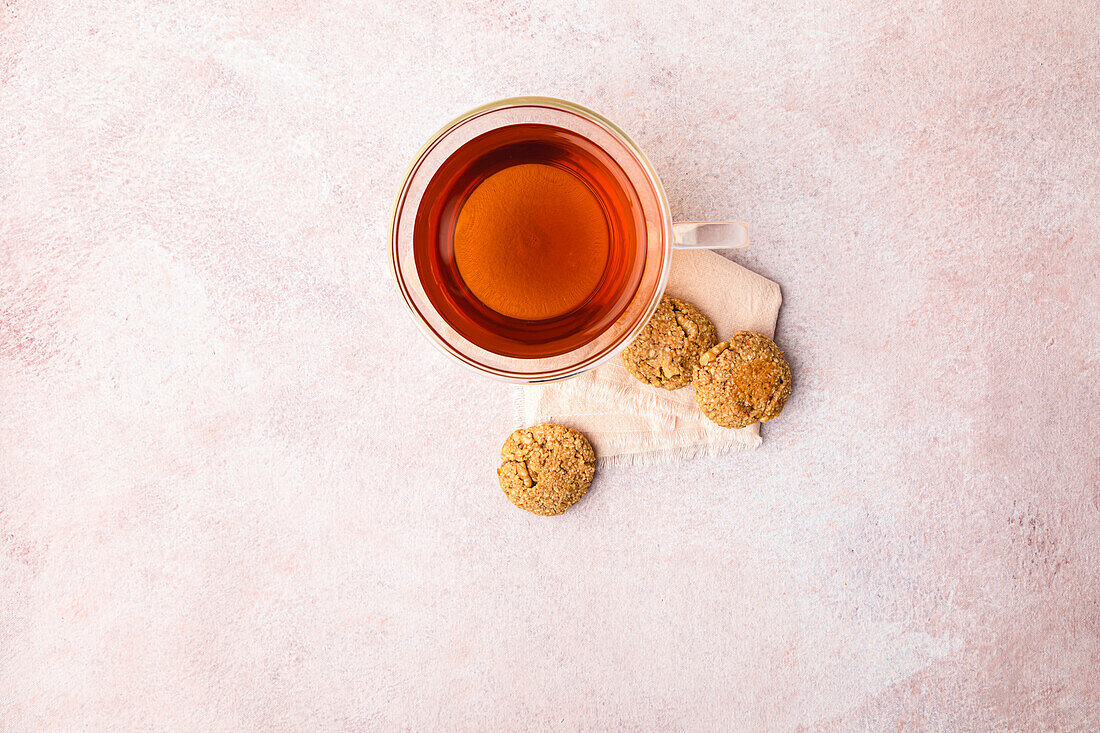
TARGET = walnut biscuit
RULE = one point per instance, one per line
(665, 352)
(546, 469)
(742, 380)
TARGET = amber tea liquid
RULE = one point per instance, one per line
(527, 240)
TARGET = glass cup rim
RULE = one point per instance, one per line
(662, 205)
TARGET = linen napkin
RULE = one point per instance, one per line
(629, 422)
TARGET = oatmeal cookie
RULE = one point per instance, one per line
(545, 469)
(665, 352)
(742, 380)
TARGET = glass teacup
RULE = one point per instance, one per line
(532, 239)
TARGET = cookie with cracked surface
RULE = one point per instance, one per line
(665, 352)
(545, 469)
(742, 380)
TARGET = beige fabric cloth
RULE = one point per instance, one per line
(630, 422)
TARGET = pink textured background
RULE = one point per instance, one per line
(237, 490)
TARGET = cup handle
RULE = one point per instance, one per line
(710, 235)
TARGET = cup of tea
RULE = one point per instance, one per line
(532, 239)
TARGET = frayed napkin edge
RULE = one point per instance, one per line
(678, 453)
(647, 457)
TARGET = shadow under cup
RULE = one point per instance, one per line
(531, 239)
